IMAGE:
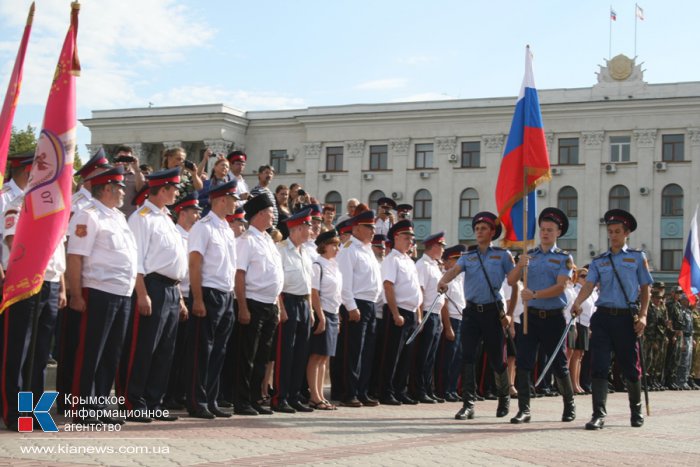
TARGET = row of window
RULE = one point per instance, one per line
(672, 150)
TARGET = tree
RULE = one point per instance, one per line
(22, 141)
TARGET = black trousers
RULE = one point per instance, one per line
(253, 346)
(68, 336)
(16, 347)
(292, 352)
(425, 352)
(149, 347)
(206, 340)
(102, 329)
(393, 372)
(478, 325)
(358, 349)
(176, 379)
(543, 333)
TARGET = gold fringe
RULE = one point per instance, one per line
(21, 297)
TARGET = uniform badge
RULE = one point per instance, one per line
(81, 230)
(9, 222)
(629, 260)
(144, 211)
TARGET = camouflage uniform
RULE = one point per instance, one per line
(686, 353)
(675, 335)
(655, 343)
(695, 369)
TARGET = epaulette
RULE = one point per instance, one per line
(347, 244)
(471, 248)
(144, 211)
(205, 219)
(634, 250)
(497, 248)
(605, 253)
(532, 250)
(90, 207)
(559, 251)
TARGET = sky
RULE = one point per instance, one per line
(265, 54)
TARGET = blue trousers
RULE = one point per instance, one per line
(448, 366)
(395, 363)
(483, 325)
(358, 348)
(292, 352)
(614, 334)
(543, 335)
(425, 352)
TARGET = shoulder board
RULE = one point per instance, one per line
(90, 207)
(347, 244)
(283, 243)
(602, 255)
(531, 250)
(633, 250)
(559, 251)
(5, 189)
(471, 249)
(497, 248)
(204, 220)
(144, 211)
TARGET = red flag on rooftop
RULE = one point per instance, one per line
(12, 95)
(47, 198)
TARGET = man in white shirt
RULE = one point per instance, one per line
(429, 274)
(385, 218)
(295, 317)
(212, 262)
(162, 264)
(350, 207)
(259, 280)
(238, 159)
(101, 276)
(402, 313)
(361, 289)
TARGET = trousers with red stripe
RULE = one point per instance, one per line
(292, 352)
(149, 347)
(16, 343)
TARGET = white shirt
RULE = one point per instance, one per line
(399, 269)
(570, 293)
(506, 291)
(329, 284)
(382, 226)
(310, 247)
(297, 268)
(185, 283)
(102, 236)
(213, 239)
(262, 263)
(587, 307)
(381, 301)
(429, 275)
(9, 193)
(241, 185)
(158, 242)
(455, 290)
(81, 199)
(362, 275)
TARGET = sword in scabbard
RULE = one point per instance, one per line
(551, 357)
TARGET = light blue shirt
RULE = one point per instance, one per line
(542, 272)
(631, 266)
(497, 263)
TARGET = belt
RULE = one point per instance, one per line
(295, 297)
(614, 311)
(493, 306)
(162, 278)
(544, 314)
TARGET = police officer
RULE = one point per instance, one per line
(101, 276)
(295, 316)
(624, 278)
(484, 267)
(402, 314)
(549, 269)
(162, 264)
(361, 289)
(212, 263)
(259, 281)
(429, 273)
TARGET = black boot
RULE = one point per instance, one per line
(634, 394)
(600, 397)
(523, 385)
(567, 391)
(468, 393)
(503, 389)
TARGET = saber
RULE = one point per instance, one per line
(453, 303)
(422, 323)
(551, 358)
(644, 370)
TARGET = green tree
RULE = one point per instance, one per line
(77, 163)
(22, 141)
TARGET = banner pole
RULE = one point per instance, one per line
(525, 208)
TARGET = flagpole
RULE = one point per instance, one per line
(636, 17)
(610, 35)
(525, 219)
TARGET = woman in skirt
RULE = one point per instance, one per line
(325, 300)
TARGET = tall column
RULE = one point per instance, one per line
(398, 157)
(445, 200)
(492, 152)
(592, 199)
(312, 156)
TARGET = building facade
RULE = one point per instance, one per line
(620, 143)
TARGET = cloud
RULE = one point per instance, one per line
(416, 60)
(425, 96)
(381, 84)
(240, 99)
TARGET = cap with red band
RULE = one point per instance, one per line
(620, 216)
(98, 160)
(301, 217)
(164, 177)
(190, 201)
(438, 237)
(225, 189)
(490, 219)
(114, 175)
(235, 156)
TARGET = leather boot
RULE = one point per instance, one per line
(634, 394)
(600, 397)
(468, 393)
(522, 383)
(503, 389)
(567, 391)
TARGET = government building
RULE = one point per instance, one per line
(620, 143)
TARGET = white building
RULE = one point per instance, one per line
(620, 143)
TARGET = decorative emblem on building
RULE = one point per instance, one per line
(356, 147)
(494, 142)
(620, 68)
(694, 136)
(399, 146)
(645, 138)
(593, 139)
(312, 149)
(446, 144)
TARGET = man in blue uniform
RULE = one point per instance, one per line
(549, 269)
(485, 268)
(624, 279)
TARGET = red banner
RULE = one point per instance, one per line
(12, 95)
(47, 200)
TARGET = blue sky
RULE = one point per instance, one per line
(290, 54)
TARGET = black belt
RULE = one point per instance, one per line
(615, 311)
(493, 306)
(162, 278)
(544, 314)
(295, 297)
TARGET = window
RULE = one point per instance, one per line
(468, 203)
(671, 254)
(568, 244)
(424, 156)
(672, 148)
(568, 201)
(422, 205)
(619, 198)
(568, 151)
(672, 200)
(471, 154)
(334, 198)
(378, 157)
(278, 160)
(619, 149)
(374, 197)
(334, 159)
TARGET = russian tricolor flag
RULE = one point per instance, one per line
(525, 163)
(689, 277)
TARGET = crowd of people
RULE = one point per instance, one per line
(187, 290)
